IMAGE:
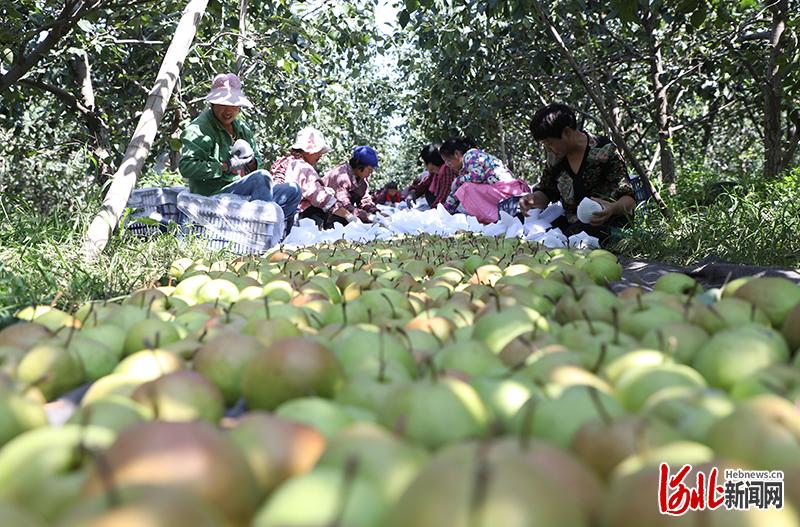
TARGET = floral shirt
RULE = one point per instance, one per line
(602, 175)
(477, 167)
(352, 193)
(290, 169)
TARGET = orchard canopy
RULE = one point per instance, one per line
(689, 85)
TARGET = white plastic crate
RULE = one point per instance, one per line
(157, 204)
(229, 221)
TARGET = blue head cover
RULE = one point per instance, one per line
(365, 155)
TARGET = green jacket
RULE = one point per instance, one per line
(205, 146)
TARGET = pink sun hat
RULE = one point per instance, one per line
(226, 88)
(311, 141)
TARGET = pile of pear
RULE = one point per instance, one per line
(423, 381)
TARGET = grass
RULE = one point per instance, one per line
(753, 222)
(41, 260)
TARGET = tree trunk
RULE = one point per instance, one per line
(98, 129)
(773, 94)
(708, 127)
(124, 179)
(604, 113)
(242, 35)
(660, 101)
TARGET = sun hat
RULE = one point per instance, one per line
(311, 141)
(366, 155)
(226, 88)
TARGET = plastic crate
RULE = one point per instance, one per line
(159, 205)
(230, 222)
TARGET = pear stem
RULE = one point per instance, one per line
(594, 395)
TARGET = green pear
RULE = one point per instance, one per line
(603, 446)
(181, 396)
(385, 459)
(504, 396)
(679, 340)
(43, 469)
(558, 420)
(52, 368)
(114, 412)
(472, 485)
(290, 368)
(763, 432)
(635, 360)
(367, 348)
(634, 387)
(732, 355)
(361, 506)
(778, 379)
(223, 359)
(149, 364)
(150, 333)
(498, 328)
(435, 413)
(638, 320)
(776, 296)
(121, 384)
(472, 357)
(326, 416)
(727, 313)
(18, 414)
(676, 283)
(150, 506)
(593, 302)
(276, 449)
(13, 515)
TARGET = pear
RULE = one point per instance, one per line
(679, 340)
(436, 412)
(52, 368)
(194, 457)
(43, 469)
(382, 457)
(732, 355)
(24, 335)
(361, 505)
(558, 420)
(776, 296)
(277, 449)
(290, 368)
(634, 387)
(149, 333)
(469, 485)
(223, 359)
(181, 396)
(763, 432)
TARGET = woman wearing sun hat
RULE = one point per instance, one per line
(319, 202)
(219, 153)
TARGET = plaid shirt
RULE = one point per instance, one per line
(440, 184)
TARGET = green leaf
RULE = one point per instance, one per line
(404, 17)
(85, 26)
(627, 9)
(461, 101)
(699, 16)
(412, 5)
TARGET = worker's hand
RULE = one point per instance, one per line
(526, 203)
(600, 217)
